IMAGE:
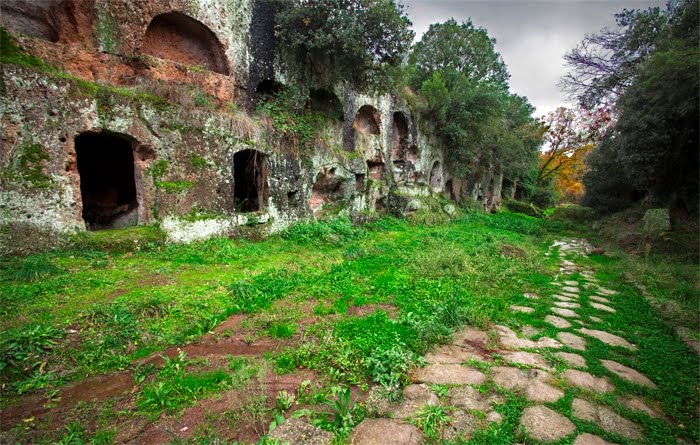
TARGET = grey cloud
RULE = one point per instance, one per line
(532, 36)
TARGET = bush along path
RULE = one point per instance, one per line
(576, 373)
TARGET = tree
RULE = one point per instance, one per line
(359, 41)
(568, 137)
(461, 49)
(652, 151)
(603, 65)
(465, 82)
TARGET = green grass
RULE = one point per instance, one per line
(106, 304)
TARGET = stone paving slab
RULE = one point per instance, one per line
(587, 381)
(636, 403)
(449, 374)
(608, 338)
(451, 354)
(468, 397)
(602, 307)
(572, 341)
(297, 432)
(599, 299)
(386, 432)
(570, 294)
(526, 358)
(627, 373)
(563, 298)
(531, 296)
(523, 309)
(567, 305)
(572, 289)
(571, 283)
(557, 322)
(564, 312)
(590, 439)
(544, 424)
(571, 359)
(510, 340)
(606, 419)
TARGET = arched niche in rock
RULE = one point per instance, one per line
(327, 103)
(399, 137)
(182, 39)
(436, 176)
(108, 185)
(250, 185)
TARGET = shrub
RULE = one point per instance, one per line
(522, 207)
(573, 213)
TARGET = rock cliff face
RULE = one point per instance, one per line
(123, 112)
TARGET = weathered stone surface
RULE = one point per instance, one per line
(573, 290)
(587, 381)
(462, 425)
(297, 432)
(509, 339)
(557, 322)
(414, 398)
(606, 418)
(571, 283)
(608, 338)
(529, 331)
(599, 299)
(539, 391)
(386, 432)
(570, 295)
(590, 439)
(543, 424)
(533, 383)
(564, 312)
(563, 298)
(524, 309)
(571, 359)
(469, 335)
(531, 296)
(526, 358)
(572, 341)
(449, 374)
(637, 404)
(627, 373)
(454, 354)
(567, 305)
(604, 291)
(596, 319)
(602, 307)
(510, 378)
(468, 397)
(494, 417)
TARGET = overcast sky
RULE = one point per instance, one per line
(532, 35)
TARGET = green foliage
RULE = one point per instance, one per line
(431, 419)
(652, 149)
(343, 416)
(25, 353)
(13, 54)
(28, 166)
(336, 230)
(573, 213)
(198, 161)
(174, 186)
(461, 48)
(464, 82)
(128, 239)
(289, 118)
(32, 268)
(522, 207)
(329, 41)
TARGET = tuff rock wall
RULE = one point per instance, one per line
(173, 84)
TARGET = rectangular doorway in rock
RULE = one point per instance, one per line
(107, 183)
(250, 190)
